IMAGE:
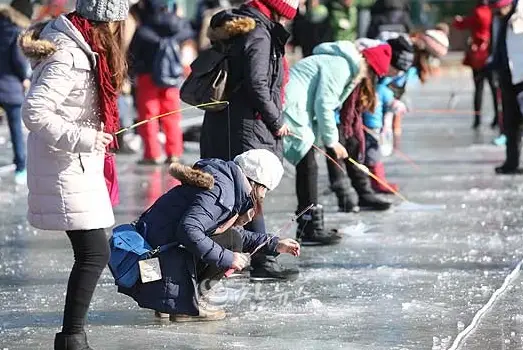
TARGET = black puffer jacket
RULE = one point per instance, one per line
(257, 47)
(391, 15)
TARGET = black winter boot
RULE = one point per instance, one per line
(311, 229)
(71, 342)
(347, 199)
(373, 202)
(266, 268)
(367, 197)
(477, 122)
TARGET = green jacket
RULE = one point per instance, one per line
(343, 21)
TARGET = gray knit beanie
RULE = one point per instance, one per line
(103, 10)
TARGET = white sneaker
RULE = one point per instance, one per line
(21, 177)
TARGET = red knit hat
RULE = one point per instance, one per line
(378, 57)
(500, 3)
(285, 8)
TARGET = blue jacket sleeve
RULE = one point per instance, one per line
(19, 63)
(251, 240)
(203, 216)
(386, 95)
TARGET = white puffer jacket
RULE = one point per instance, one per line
(67, 189)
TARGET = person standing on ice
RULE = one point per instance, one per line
(204, 216)
(402, 60)
(256, 42)
(318, 85)
(432, 43)
(159, 26)
(508, 63)
(351, 134)
(14, 77)
(71, 112)
(480, 25)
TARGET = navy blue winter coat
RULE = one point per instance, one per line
(14, 67)
(155, 25)
(188, 215)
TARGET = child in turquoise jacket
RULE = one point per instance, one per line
(318, 85)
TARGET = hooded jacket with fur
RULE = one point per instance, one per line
(212, 192)
(67, 189)
(256, 50)
(14, 68)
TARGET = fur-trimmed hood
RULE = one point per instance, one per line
(14, 16)
(42, 40)
(222, 177)
(191, 176)
(225, 26)
(34, 47)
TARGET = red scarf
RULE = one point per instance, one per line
(107, 93)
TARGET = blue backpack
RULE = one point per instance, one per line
(167, 67)
(128, 247)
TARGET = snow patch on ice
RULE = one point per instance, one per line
(353, 230)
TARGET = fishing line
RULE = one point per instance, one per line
(359, 166)
(229, 272)
(396, 151)
(170, 113)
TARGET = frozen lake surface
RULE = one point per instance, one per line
(410, 278)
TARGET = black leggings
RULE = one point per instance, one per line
(512, 119)
(307, 180)
(91, 255)
(479, 83)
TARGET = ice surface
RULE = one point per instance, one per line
(409, 278)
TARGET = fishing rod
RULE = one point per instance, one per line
(359, 166)
(229, 272)
(209, 104)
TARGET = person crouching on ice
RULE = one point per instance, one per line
(204, 216)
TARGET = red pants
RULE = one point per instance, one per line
(153, 101)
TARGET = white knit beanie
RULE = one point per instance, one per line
(261, 166)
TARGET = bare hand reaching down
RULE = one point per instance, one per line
(289, 246)
(240, 261)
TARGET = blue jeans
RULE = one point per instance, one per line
(14, 119)
(126, 109)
